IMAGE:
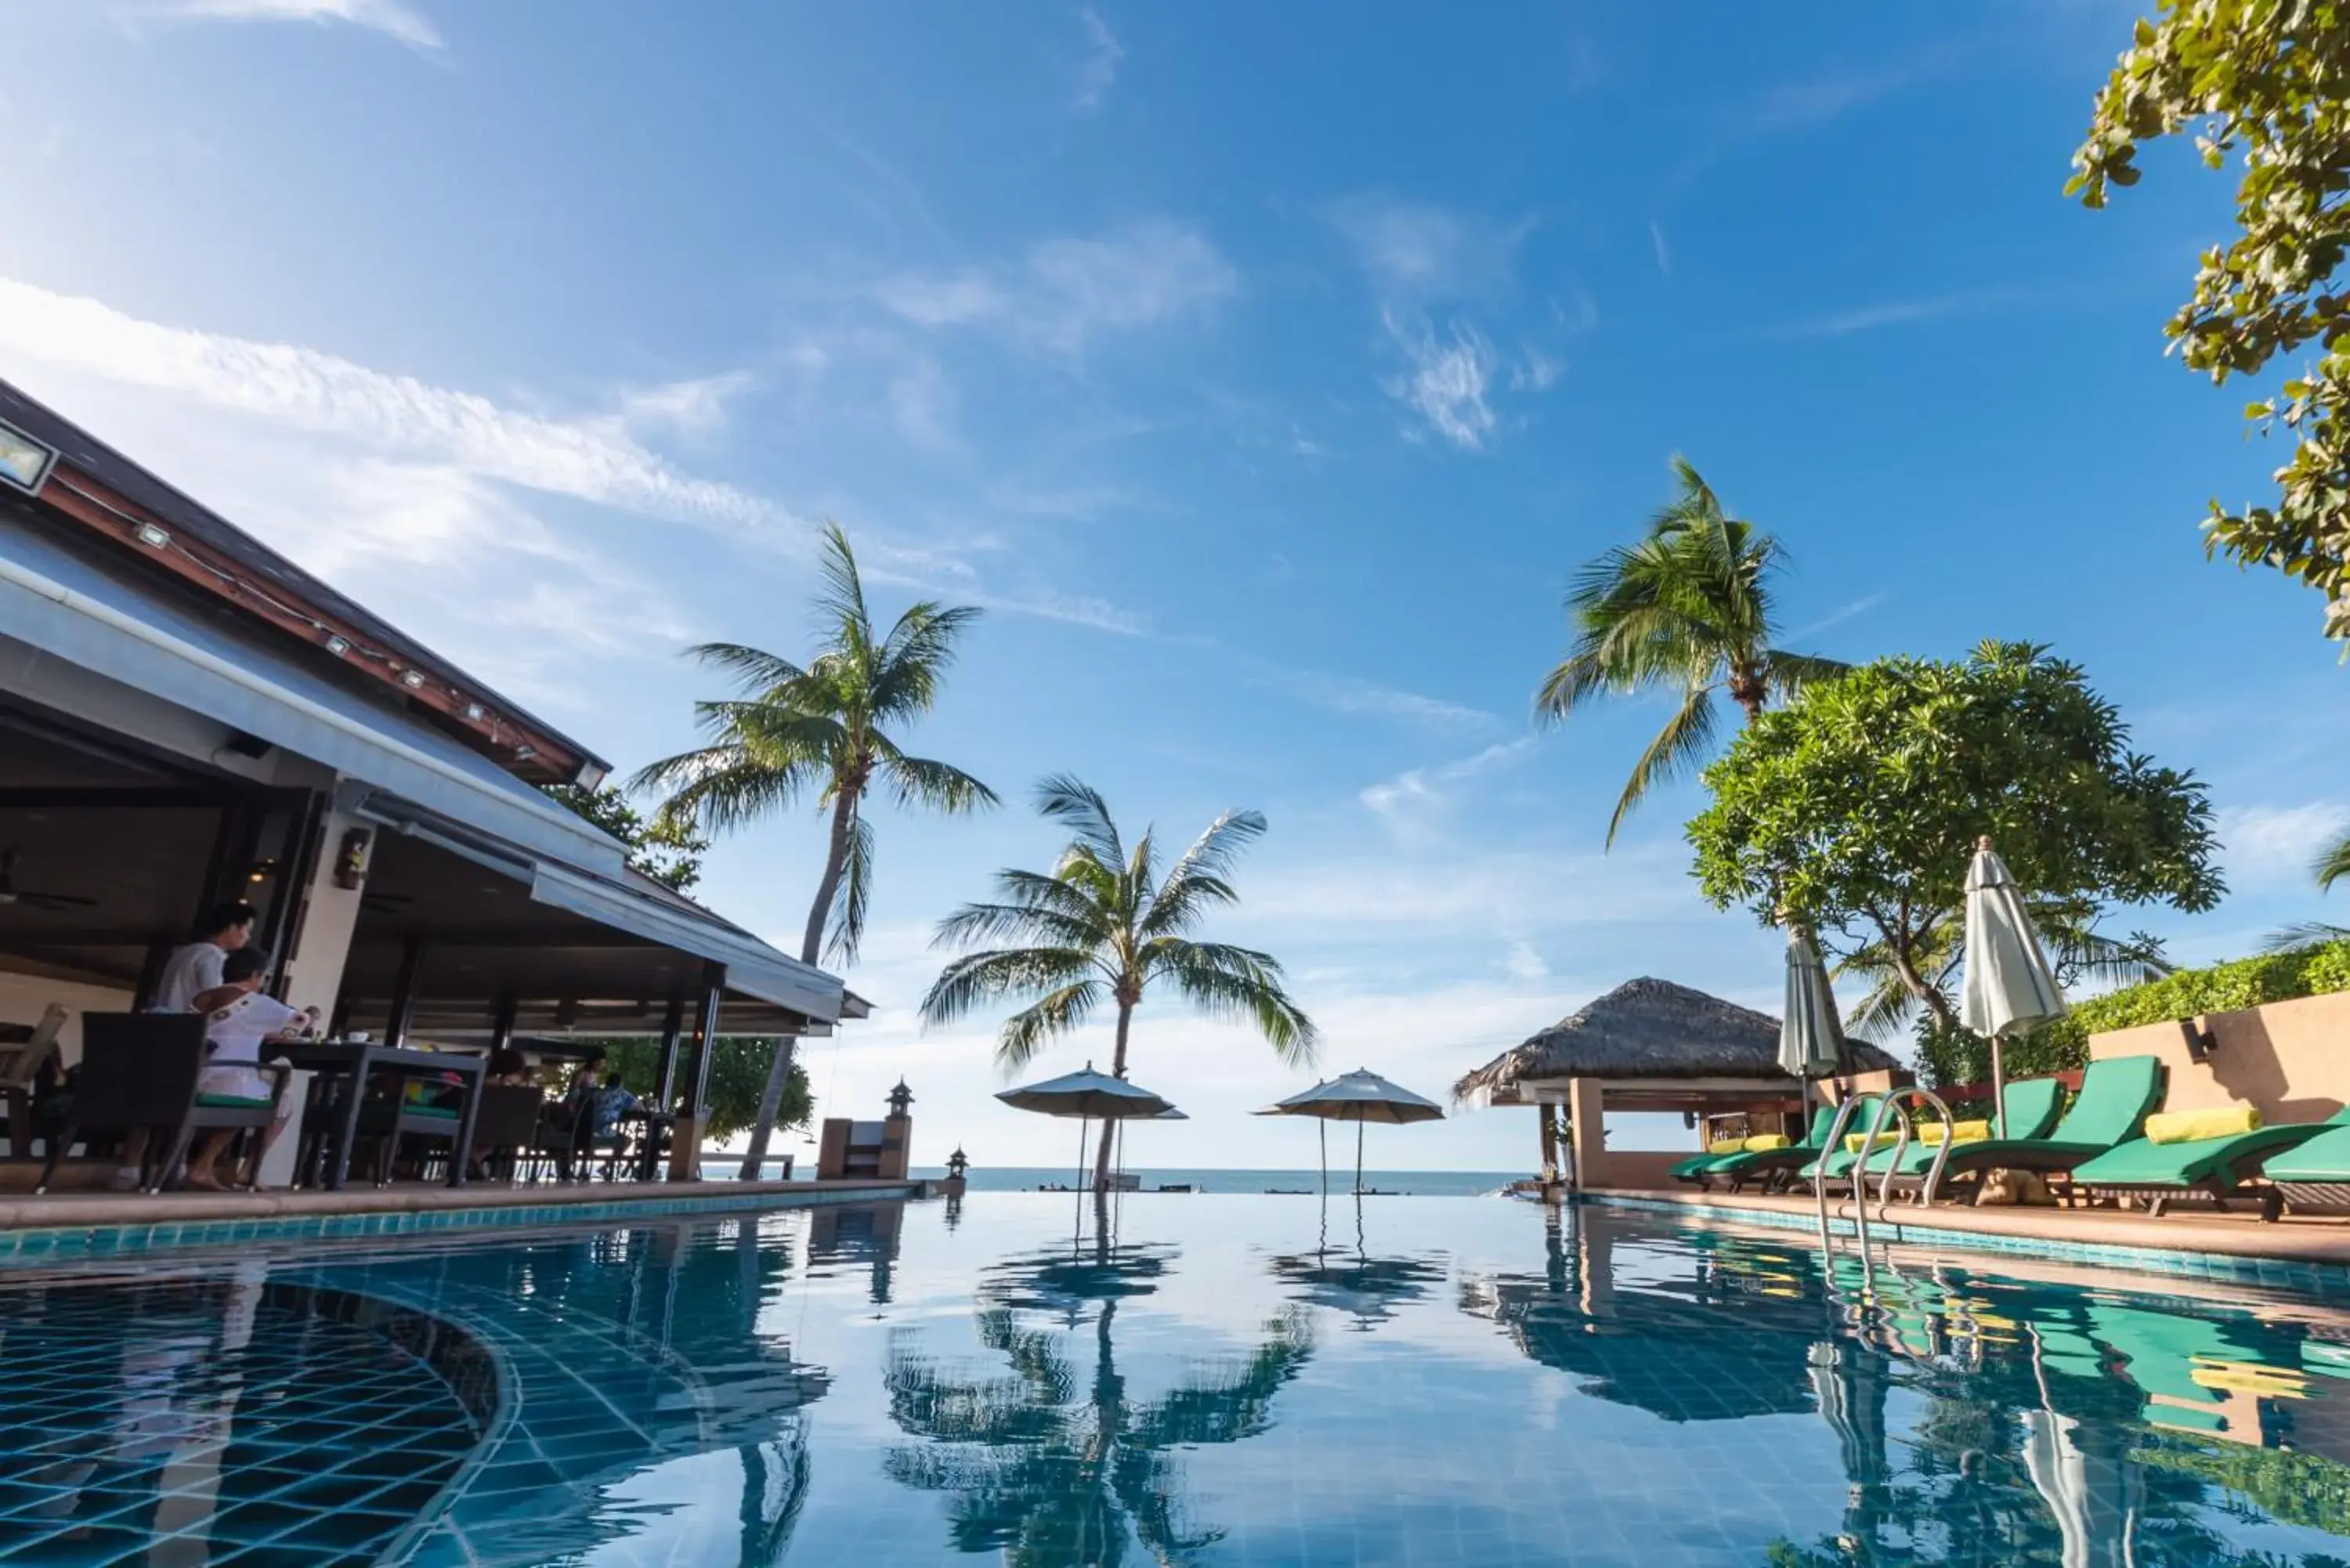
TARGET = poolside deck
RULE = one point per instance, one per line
(94, 1210)
(2295, 1239)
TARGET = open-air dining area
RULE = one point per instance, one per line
(284, 905)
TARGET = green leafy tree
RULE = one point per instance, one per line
(664, 847)
(2269, 79)
(826, 730)
(1858, 807)
(1100, 929)
(1687, 610)
(738, 1080)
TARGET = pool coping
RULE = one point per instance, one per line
(237, 1219)
(2311, 1276)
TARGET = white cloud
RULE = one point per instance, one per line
(1849, 610)
(694, 407)
(399, 416)
(391, 17)
(1104, 54)
(2271, 846)
(1446, 380)
(1413, 794)
(1065, 293)
(1664, 251)
(1890, 313)
(1348, 694)
(1526, 965)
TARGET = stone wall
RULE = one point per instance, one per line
(2289, 1059)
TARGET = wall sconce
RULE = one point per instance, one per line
(351, 859)
(2196, 1033)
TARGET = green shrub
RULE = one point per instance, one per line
(2218, 988)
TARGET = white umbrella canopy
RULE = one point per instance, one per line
(1811, 1032)
(1088, 1095)
(2008, 988)
(1360, 1096)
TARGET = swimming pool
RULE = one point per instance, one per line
(1233, 1381)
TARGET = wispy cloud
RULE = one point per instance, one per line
(1347, 694)
(392, 17)
(1838, 615)
(1664, 251)
(1406, 798)
(1445, 380)
(1066, 293)
(304, 388)
(1414, 252)
(1098, 72)
(1889, 312)
(695, 406)
(2271, 845)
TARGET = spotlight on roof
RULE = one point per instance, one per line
(155, 537)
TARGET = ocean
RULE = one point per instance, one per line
(1028, 1178)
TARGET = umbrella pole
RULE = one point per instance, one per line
(1998, 1086)
(1322, 1136)
(1079, 1233)
(1358, 1169)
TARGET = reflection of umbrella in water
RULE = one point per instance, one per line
(1360, 1096)
(1367, 1289)
(1055, 1283)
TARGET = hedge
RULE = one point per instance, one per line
(2219, 988)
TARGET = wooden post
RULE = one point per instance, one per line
(1585, 1118)
(404, 993)
(1546, 1114)
(502, 1025)
(685, 1147)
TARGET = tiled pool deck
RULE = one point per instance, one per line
(2303, 1253)
(79, 1225)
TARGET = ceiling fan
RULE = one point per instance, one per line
(12, 894)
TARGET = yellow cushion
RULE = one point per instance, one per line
(1726, 1146)
(1930, 1132)
(1855, 1142)
(2193, 1127)
(1763, 1143)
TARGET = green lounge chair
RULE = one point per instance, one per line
(2116, 1095)
(2032, 1106)
(1768, 1166)
(2218, 1169)
(1838, 1163)
(2317, 1174)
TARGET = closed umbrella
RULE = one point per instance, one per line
(1089, 1097)
(2008, 987)
(1359, 1096)
(1811, 1034)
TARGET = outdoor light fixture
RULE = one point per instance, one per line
(473, 712)
(155, 537)
(525, 752)
(24, 463)
(413, 679)
(351, 859)
(337, 646)
(2197, 1034)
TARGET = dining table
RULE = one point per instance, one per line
(346, 1067)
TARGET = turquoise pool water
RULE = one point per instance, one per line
(1231, 1382)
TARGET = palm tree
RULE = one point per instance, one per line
(2333, 864)
(825, 728)
(1688, 608)
(1100, 929)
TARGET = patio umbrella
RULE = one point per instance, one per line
(2008, 987)
(1359, 1096)
(1089, 1097)
(1811, 1034)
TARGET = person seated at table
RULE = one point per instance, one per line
(595, 1109)
(193, 969)
(238, 1020)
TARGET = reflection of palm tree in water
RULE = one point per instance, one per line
(1053, 1467)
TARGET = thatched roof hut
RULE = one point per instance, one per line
(1647, 1029)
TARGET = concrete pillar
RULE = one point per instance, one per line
(329, 912)
(1546, 1114)
(1585, 1119)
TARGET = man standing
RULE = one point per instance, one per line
(195, 968)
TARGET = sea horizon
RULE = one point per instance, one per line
(1204, 1178)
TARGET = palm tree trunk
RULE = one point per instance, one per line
(779, 1070)
(1747, 690)
(1117, 1069)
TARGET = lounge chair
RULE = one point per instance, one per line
(2317, 1174)
(2220, 1168)
(2032, 1108)
(1837, 1163)
(1767, 1165)
(2116, 1095)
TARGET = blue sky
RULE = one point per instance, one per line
(1264, 378)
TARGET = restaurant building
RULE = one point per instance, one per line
(187, 718)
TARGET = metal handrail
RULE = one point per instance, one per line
(1900, 1148)
(1820, 1165)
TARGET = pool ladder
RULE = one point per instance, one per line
(1856, 1208)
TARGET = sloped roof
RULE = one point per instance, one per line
(1649, 1028)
